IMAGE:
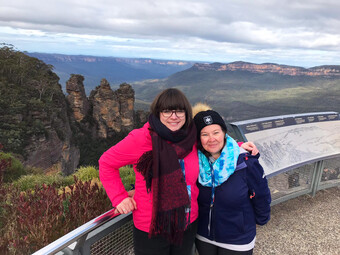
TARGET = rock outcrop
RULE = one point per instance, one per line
(112, 111)
(77, 97)
(105, 114)
(141, 117)
(34, 116)
(126, 99)
(54, 146)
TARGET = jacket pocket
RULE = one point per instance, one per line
(229, 224)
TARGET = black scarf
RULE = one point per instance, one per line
(163, 174)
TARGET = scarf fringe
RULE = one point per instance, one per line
(144, 166)
(164, 177)
(171, 225)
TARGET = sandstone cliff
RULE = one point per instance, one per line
(126, 99)
(270, 68)
(54, 146)
(77, 97)
(103, 119)
(112, 111)
(34, 117)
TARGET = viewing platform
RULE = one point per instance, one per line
(300, 155)
(303, 225)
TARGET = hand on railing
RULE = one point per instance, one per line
(126, 206)
(131, 193)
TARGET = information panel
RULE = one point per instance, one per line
(289, 141)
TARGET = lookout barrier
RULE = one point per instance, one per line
(300, 155)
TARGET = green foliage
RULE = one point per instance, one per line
(38, 208)
(34, 170)
(128, 176)
(14, 170)
(27, 182)
(87, 173)
(91, 149)
(29, 97)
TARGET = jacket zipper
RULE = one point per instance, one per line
(212, 200)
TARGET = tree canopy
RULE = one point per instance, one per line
(29, 93)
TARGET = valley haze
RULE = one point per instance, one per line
(239, 90)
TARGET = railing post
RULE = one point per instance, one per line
(318, 168)
(80, 243)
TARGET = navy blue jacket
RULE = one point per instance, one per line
(234, 214)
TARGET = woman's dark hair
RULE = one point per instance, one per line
(172, 99)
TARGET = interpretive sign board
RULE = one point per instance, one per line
(289, 141)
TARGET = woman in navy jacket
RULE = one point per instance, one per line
(233, 191)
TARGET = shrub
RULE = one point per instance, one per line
(14, 170)
(37, 209)
(32, 219)
(30, 181)
(7, 215)
(85, 202)
(4, 164)
(34, 170)
(128, 176)
(87, 173)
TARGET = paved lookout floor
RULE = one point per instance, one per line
(304, 225)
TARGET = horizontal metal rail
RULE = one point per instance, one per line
(83, 230)
(79, 240)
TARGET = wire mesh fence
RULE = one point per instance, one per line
(290, 182)
(118, 242)
(298, 180)
(331, 170)
(284, 186)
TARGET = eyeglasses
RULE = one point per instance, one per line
(178, 113)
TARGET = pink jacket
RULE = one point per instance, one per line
(127, 152)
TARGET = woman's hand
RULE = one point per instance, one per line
(250, 147)
(126, 206)
(131, 193)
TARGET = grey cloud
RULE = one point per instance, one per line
(253, 26)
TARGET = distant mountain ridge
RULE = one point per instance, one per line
(326, 70)
(115, 70)
(241, 90)
(87, 58)
(238, 90)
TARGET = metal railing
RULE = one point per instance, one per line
(109, 233)
(306, 179)
(112, 234)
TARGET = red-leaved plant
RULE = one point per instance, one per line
(4, 165)
(30, 220)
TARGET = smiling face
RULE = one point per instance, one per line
(173, 122)
(212, 139)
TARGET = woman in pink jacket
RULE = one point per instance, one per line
(165, 161)
(164, 157)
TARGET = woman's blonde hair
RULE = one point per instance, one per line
(200, 107)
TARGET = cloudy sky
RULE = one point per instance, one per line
(292, 32)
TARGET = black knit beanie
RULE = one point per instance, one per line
(206, 118)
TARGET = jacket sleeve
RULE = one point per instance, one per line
(258, 189)
(126, 152)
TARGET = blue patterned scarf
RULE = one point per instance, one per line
(223, 167)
